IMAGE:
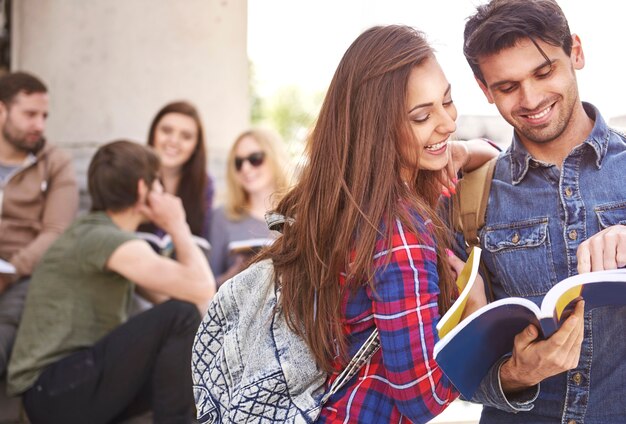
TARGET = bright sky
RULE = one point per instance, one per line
(300, 42)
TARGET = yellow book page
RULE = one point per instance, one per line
(566, 298)
(464, 282)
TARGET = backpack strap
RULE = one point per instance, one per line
(365, 352)
(470, 206)
(470, 202)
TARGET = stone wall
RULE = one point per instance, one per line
(110, 65)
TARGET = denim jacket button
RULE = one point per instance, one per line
(573, 235)
(515, 238)
(577, 378)
(568, 192)
(571, 422)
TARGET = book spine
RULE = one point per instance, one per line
(548, 327)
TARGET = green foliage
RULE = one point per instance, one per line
(256, 102)
(291, 113)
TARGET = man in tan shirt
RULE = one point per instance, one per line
(38, 195)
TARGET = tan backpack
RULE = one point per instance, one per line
(469, 208)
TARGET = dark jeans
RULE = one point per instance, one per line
(141, 365)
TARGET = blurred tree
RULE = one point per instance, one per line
(290, 112)
(256, 102)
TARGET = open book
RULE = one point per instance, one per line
(249, 246)
(6, 267)
(165, 246)
(468, 348)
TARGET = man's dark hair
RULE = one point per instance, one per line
(115, 171)
(13, 83)
(500, 24)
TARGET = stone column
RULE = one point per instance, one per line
(111, 64)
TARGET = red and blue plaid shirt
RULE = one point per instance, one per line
(402, 380)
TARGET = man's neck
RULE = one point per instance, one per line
(127, 219)
(9, 155)
(555, 151)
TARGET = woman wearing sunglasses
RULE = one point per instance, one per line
(255, 177)
(177, 137)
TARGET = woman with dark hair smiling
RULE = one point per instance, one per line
(177, 136)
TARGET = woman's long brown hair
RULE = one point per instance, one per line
(351, 187)
(193, 178)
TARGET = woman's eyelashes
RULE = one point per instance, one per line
(423, 117)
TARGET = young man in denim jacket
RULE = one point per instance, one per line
(557, 207)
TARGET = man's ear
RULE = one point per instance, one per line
(485, 90)
(4, 111)
(142, 192)
(577, 56)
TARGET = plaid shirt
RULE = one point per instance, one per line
(402, 380)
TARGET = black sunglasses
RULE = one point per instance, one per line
(256, 159)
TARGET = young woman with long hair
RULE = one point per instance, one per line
(177, 136)
(366, 248)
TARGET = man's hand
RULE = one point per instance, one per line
(165, 211)
(534, 361)
(604, 250)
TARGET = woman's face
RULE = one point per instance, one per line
(251, 166)
(431, 113)
(175, 139)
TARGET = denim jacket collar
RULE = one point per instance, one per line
(598, 140)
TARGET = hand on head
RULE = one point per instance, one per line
(164, 210)
(458, 157)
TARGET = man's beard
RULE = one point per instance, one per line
(20, 143)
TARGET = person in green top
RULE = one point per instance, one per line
(78, 358)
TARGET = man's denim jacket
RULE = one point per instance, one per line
(536, 218)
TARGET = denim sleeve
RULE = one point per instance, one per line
(490, 392)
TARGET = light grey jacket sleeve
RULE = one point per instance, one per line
(219, 242)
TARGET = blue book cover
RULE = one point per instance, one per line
(467, 352)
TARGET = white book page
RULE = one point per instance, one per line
(6, 267)
(550, 299)
(476, 252)
(249, 243)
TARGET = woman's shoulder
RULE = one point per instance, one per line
(413, 220)
(409, 229)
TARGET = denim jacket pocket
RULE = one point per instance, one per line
(610, 214)
(522, 255)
